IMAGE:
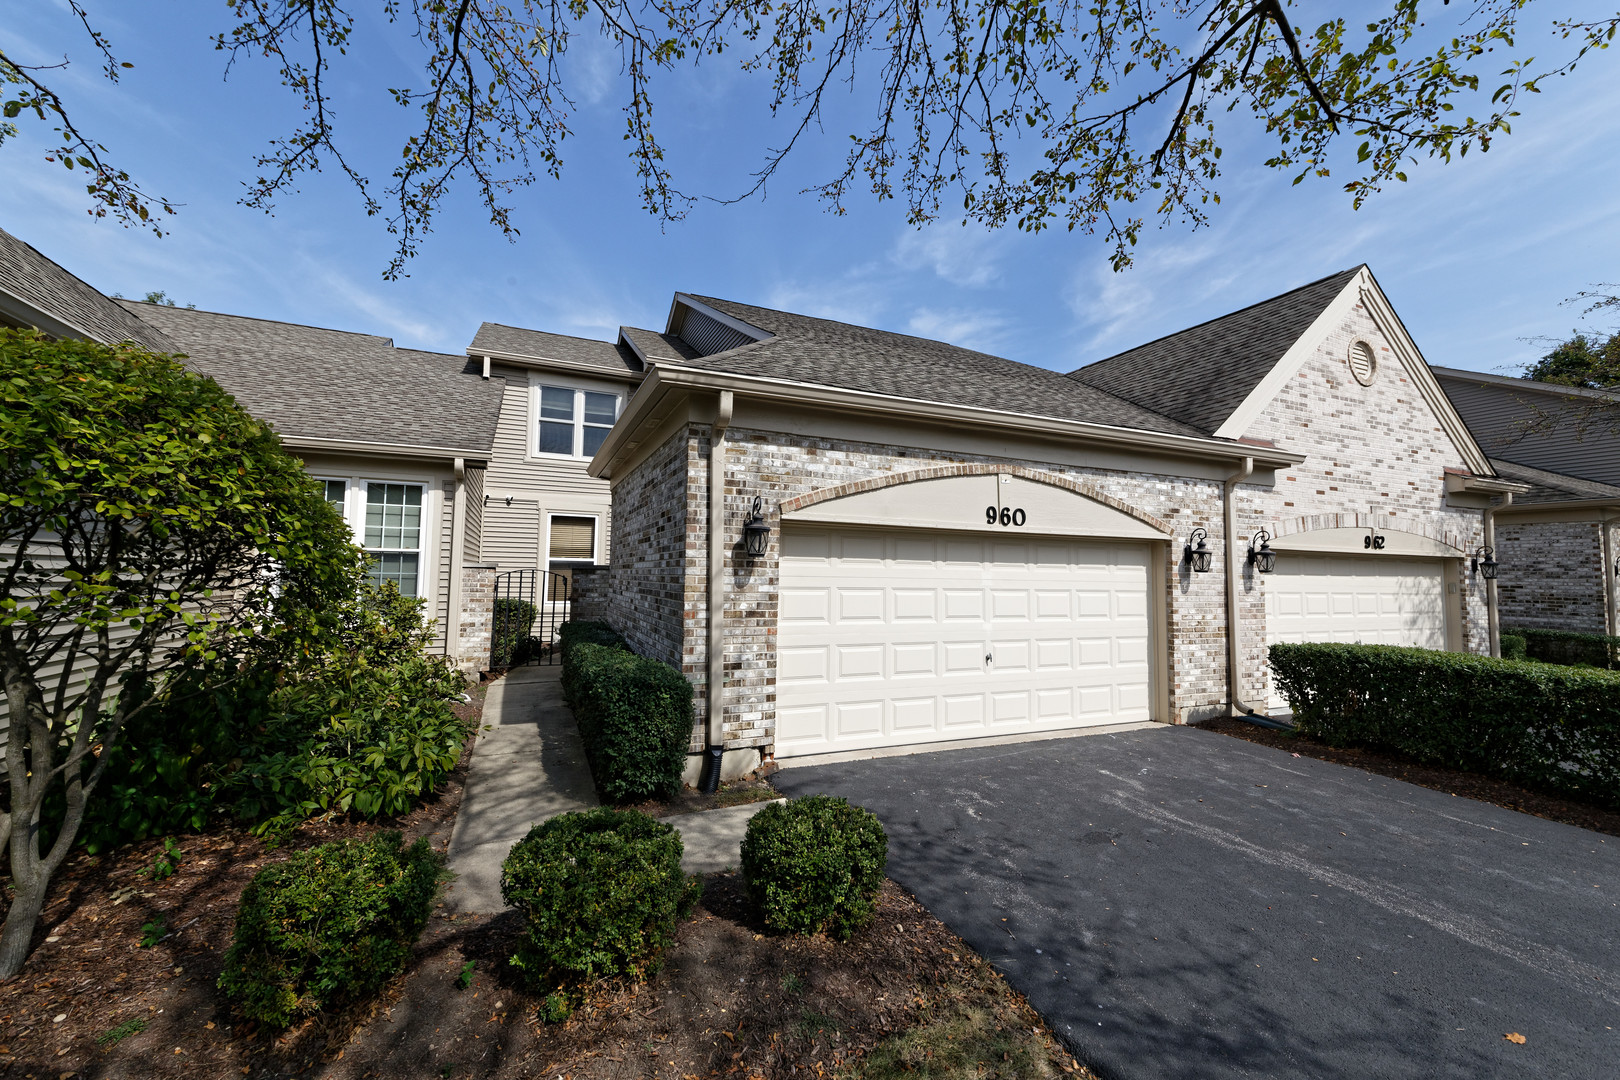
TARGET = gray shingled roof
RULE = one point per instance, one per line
(516, 341)
(655, 344)
(1548, 487)
(41, 284)
(1200, 375)
(830, 353)
(331, 384)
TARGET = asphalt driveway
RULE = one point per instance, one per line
(1181, 904)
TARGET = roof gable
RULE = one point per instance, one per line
(1201, 375)
(517, 343)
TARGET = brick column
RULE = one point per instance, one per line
(477, 616)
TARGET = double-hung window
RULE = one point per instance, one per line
(393, 534)
(573, 422)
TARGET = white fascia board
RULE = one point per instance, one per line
(552, 364)
(21, 311)
(1285, 369)
(685, 300)
(1492, 484)
(377, 449)
(670, 376)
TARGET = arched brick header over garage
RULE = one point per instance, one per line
(939, 472)
(1384, 521)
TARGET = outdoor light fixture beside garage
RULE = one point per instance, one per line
(756, 533)
(1262, 558)
(1485, 563)
(1199, 556)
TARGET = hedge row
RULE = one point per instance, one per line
(586, 632)
(1541, 725)
(1567, 647)
(635, 717)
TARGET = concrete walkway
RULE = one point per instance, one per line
(529, 765)
(713, 838)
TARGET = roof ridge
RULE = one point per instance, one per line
(548, 333)
(1218, 318)
(130, 306)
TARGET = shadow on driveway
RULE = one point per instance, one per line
(1182, 905)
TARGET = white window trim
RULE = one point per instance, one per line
(596, 535)
(427, 554)
(539, 379)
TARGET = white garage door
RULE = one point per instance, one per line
(1370, 600)
(889, 638)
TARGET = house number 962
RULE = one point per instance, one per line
(1005, 516)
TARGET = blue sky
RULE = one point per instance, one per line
(1476, 255)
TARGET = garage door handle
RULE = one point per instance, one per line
(988, 658)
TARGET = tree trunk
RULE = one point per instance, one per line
(30, 880)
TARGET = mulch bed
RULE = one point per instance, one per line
(1466, 785)
(747, 789)
(731, 1001)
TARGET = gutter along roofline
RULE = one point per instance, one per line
(564, 365)
(663, 378)
(355, 446)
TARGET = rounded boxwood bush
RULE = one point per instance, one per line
(600, 891)
(815, 864)
(328, 926)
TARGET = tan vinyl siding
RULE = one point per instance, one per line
(474, 525)
(512, 534)
(441, 569)
(1497, 414)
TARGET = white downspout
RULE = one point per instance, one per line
(1234, 638)
(1493, 615)
(1606, 545)
(458, 556)
(715, 706)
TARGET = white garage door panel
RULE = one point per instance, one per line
(883, 637)
(1349, 599)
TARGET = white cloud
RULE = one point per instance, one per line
(960, 254)
(970, 329)
(854, 298)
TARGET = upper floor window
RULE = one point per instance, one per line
(574, 422)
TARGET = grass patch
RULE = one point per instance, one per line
(123, 1031)
(980, 1030)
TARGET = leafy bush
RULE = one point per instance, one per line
(1568, 647)
(513, 641)
(1514, 647)
(600, 891)
(635, 717)
(329, 926)
(815, 864)
(588, 633)
(1541, 725)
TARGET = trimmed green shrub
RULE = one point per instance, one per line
(1541, 725)
(635, 717)
(600, 891)
(512, 642)
(1568, 647)
(329, 926)
(815, 864)
(586, 632)
(1514, 647)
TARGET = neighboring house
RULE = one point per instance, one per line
(958, 547)
(1563, 535)
(400, 438)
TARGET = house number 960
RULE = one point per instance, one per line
(1005, 516)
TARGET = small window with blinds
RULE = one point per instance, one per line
(571, 543)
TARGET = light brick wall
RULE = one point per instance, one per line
(1551, 576)
(477, 616)
(649, 577)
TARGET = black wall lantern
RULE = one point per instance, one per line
(1262, 558)
(1485, 563)
(756, 533)
(1198, 556)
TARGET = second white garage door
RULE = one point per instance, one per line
(896, 637)
(1367, 599)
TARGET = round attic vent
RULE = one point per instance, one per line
(1363, 364)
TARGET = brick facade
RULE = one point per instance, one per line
(477, 616)
(1552, 575)
(1377, 458)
